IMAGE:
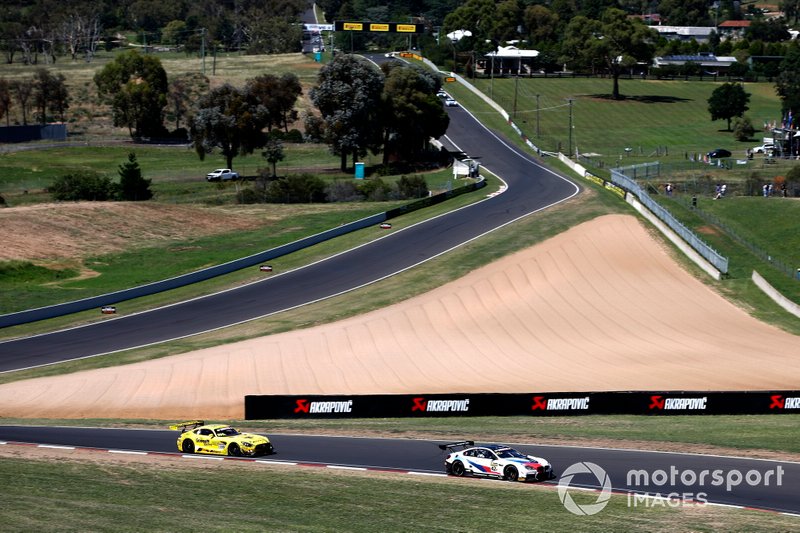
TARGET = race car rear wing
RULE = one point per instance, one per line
(453, 445)
(185, 426)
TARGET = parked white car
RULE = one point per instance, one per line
(223, 174)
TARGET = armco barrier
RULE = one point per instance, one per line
(32, 315)
(523, 404)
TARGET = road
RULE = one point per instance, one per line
(531, 187)
(737, 487)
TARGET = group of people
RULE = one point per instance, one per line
(766, 190)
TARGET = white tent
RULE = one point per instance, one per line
(457, 35)
(512, 52)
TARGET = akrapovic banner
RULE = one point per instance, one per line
(530, 404)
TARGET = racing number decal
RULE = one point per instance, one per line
(495, 466)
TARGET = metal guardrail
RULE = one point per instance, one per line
(619, 178)
(94, 302)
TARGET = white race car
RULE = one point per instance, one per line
(495, 460)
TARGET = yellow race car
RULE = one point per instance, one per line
(219, 439)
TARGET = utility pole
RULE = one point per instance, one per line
(203, 48)
(516, 85)
(491, 83)
(570, 100)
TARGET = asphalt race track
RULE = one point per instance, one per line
(531, 187)
(424, 457)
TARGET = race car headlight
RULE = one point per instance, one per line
(246, 443)
(528, 467)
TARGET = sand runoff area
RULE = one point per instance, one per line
(600, 307)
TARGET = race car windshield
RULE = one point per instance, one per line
(510, 453)
(227, 432)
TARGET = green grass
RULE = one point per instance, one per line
(78, 495)
(768, 223)
(672, 114)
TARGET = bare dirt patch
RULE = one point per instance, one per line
(708, 230)
(71, 231)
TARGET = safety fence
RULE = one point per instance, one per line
(32, 315)
(263, 407)
(624, 178)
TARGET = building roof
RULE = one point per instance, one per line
(512, 51)
(735, 24)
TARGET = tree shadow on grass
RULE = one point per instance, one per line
(644, 99)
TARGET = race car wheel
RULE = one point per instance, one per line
(457, 469)
(510, 474)
(187, 446)
(234, 450)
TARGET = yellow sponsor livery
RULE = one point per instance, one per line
(220, 439)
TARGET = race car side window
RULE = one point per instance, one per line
(205, 432)
(469, 453)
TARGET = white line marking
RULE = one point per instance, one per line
(337, 467)
(426, 474)
(725, 505)
(267, 461)
(54, 447)
(203, 457)
(129, 452)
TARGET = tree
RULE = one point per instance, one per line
(412, 111)
(49, 94)
(22, 90)
(348, 95)
(5, 100)
(278, 95)
(132, 186)
(273, 152)
(788, 83)
(727, 101)
(616, 42)
(228, 120)
(184, 89)
(136, 86)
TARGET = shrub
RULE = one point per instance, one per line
(85, 185)
(375, 190)
(412, 187)
(743, 129)
(296, 189)
(343, 191)
(248, 196)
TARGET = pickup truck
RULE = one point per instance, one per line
(224, 174)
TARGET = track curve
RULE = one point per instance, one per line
(531, 187)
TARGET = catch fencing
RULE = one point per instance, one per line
(624, 178)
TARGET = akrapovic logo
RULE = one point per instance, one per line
(304, 406)
(677, 404)
(439, 406)
(779, 402)
(559, 404)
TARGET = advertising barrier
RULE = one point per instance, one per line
(652, 403)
